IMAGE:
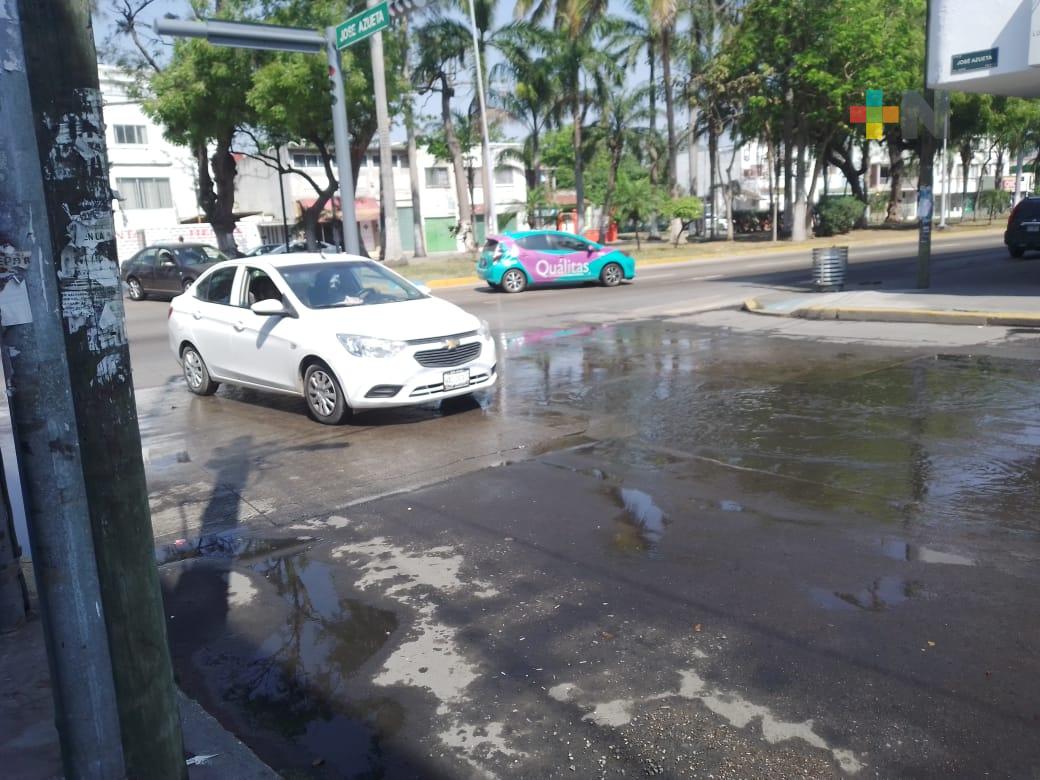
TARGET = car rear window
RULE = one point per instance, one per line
(1028, 210)
(537, 243)
(490, 244)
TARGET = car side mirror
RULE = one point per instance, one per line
(269, 307)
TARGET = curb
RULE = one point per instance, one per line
(1007, 319)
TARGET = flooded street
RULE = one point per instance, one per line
(656, 549)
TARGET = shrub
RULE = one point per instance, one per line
(837, 215)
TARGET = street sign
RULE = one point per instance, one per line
(360, 26)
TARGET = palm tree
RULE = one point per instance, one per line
(662, 16)
(529, 92)
(443, 46)
(575, 47)
(619, 113)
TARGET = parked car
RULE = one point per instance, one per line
(301, 246)
(514, 261)
(263, 249)
(344, 332)
(167, 269)
(1023, 227)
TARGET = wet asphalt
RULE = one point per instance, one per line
(656, 549)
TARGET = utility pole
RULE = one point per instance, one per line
(419, 234)
(391, 235)
(925, 197)
(488, 177)
(75, 418)
(341, 139)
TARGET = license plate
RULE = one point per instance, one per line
(456, 379)
(1032, 228)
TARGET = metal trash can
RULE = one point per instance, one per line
(829, 265)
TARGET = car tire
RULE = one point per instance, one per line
(186, 285)
(196, 374)
(514, 281)
(134, 289)
(324, 396)
(1016, 251)
(611, 275)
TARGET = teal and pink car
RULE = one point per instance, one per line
(515, 261)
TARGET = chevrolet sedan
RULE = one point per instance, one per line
(343, 332)
(515, 261)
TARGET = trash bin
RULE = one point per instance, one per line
(829, 265)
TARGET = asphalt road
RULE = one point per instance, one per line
(672, 289)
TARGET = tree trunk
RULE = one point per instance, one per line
(222, 220)
(579, 171)
(604, 219)
(655, 161)
(966, 153)
(799, 210)
(713, 154)
(788, 137)
(771, 160)
(465, 209)
(536, 168)
(418, 234)
(896, 168)
(691, 148)
(669, 109)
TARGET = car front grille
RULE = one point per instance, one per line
(445, 357)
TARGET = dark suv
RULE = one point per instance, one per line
(167, 269)
(1023, 227)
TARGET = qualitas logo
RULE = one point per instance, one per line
(912, 114)
(560, 268)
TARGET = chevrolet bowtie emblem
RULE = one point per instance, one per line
(451, 343)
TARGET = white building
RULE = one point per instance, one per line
(154, 181)
(258, 190)
(991, 47)
(751, 173)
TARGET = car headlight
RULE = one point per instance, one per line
(366, 346)
(484, 331)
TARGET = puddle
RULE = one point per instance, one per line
(226, 544)
(881, 594)
(642, 525)
(904, 551)
(274, 649)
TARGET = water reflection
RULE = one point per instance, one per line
(284, 671)
(949, 441)
(642, 525)
(880, 594)
(904, 551)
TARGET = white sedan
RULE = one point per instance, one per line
(343, 332)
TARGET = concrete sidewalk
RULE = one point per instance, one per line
(902, 306)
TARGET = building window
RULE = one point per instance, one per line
(400, 159)
(145, 193)
(303, 160)
(131, 134)
(504, 176)
(436, 177)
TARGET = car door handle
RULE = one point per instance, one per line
(197, 315)
(239, 326)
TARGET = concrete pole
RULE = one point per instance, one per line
(1018, 175)
(78, 307)
(947, 188)
(925, 197)
(392, 237)
(418, 233)
(341, 139)
(488, 177)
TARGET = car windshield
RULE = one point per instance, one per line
(199, 255)
(356, 283)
